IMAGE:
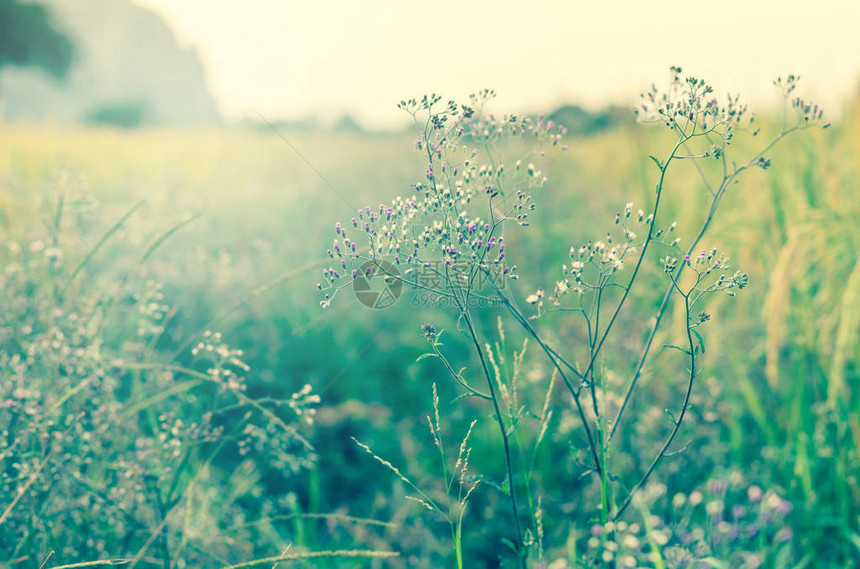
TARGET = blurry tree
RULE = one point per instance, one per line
(125, 114)
(28, 38)
(583, 122)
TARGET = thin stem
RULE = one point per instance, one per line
(663, 169)
(728, 179)
(457, 376)
(497, 412)
(677, 422)
(91, 253)
(552, 356)
(593, 353)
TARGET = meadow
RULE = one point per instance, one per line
(173, 395)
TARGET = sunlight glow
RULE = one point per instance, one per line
(330, 57)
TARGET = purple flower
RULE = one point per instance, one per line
(751, 531)
(717, 486)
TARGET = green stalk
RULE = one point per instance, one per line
(497, 412)
(89, 256)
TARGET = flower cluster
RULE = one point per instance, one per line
(690, 109)
(593, 264)
(152, 310)
(94, 436)
(705, 266)
(724, 520)
(689, 105)
(443, 224)
(806, 111)
(303, 402)
(226, 362)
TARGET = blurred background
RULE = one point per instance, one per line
(173, 167)
(198, 63)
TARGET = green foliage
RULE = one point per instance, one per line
(28, 37)
(124, 115)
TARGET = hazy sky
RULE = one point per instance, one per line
(290, 59)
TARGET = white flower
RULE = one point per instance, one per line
(536, 296)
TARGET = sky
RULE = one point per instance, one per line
(327, 58)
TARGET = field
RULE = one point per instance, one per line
(161, 321)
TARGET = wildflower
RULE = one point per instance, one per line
(429, 332)
(535, 297)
